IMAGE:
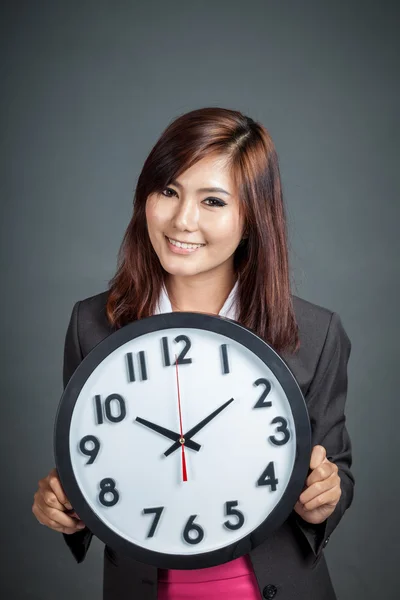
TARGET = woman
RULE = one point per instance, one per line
(208, 234)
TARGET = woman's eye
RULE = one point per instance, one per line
(169, 190)
(218, 202)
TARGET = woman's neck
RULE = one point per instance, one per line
(194, 294)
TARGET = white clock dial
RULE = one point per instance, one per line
(234, 480)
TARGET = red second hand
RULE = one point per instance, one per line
(184, 471)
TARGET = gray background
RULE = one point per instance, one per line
(87, 88)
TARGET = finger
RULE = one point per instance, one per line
(58, 517)
(52, 524)
(38, 513)
(322, 472)
(48, 494)
(44, 519)
(55, 484)
(331, 497)
(72, 513)
(318, 455)
(49, 497)
(318, 488)
(71, 531)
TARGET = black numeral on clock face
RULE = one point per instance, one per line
(92, 452)
(157, 515)
(141, 363)
(107, 486)
(193, 533)
(118, 401)
(261, 403)
(283, 428)
(225, 359)
(230, 510)
(267, 477)
(193, 527)
(181, 357)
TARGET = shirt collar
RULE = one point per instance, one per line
(228, 310)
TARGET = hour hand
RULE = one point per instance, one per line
(171, 435)
(188, 435)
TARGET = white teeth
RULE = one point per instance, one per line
(183, 245)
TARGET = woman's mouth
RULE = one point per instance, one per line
(181, 248)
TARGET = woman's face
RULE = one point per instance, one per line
(184, 212)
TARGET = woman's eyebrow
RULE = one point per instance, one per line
(206, 189)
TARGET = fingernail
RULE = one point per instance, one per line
(68, 506)
(81, 525)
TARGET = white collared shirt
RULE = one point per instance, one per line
(228, 310)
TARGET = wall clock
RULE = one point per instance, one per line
(183, 440)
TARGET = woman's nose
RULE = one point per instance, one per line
(187, 215)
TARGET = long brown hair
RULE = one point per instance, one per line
(260, 261)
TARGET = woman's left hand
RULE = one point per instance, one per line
(318, 500)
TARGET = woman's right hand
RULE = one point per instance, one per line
(50, 506)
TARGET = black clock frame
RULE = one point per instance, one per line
(246, 337)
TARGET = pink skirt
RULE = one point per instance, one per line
(234, 580)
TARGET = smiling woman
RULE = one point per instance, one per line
(208, 234)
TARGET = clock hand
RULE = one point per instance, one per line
(197, 428)
(171, 435)
(181, 439)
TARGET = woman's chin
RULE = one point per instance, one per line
(172, 267)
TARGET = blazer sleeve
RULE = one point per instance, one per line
(326, 398)
(78, 542)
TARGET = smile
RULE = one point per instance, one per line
(182, 246)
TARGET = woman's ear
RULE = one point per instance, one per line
(244, 237)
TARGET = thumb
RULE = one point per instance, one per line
(318, 456)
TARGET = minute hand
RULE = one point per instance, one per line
(171, 435)
(197, 428)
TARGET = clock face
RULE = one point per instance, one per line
(246, 448)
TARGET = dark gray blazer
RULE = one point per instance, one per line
(290, 564)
